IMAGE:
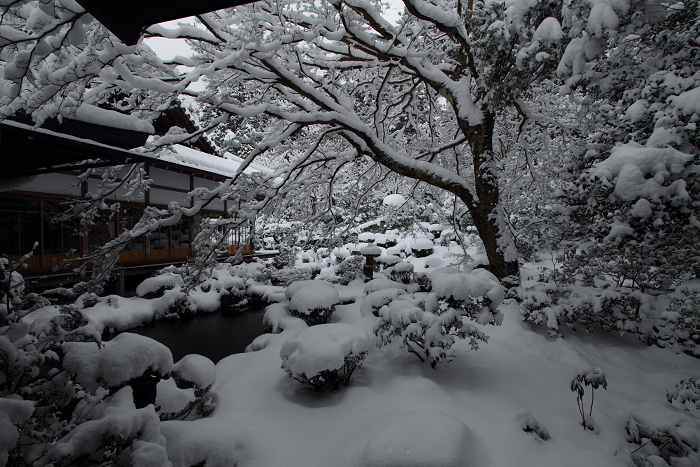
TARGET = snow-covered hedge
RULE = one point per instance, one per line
(613, 309)
(325, 356)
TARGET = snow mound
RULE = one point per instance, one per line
(395, 200)
(322, 348)
(297, 286)
(382, 284)
(196, 369)
(389, 260)
(153, 285)
(172, 399)
(314, 297)
(122, 359)
(422, 244)
(208, 441)
(423, 438)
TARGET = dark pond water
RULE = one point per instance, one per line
(215, 335)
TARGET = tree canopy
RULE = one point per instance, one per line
(332, 88)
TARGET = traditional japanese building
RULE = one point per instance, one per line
(40, 171)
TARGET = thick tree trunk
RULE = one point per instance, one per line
(486, 209)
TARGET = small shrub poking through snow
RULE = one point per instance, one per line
(325, 356)
(314, 304)
(595, 378)
(687, 390)
(530, 424)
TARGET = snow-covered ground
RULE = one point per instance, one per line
(398, 411)
(521, 368)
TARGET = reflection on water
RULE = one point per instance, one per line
(214, 335)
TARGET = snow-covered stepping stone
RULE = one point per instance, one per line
(422, 438)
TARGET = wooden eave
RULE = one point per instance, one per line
(127, 19)
(27, 151)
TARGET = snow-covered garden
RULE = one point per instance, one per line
(484, 215)
(423, 365)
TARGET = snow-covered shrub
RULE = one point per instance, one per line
(198, 373)
(687, 390)
(613, 309)
(387, 261)
(155, 286)
(314, 304)
(117, 362)
(401, 272)
(477, 294)
(325, 356)
(273, 319)
(679, 325)
(595, 378)
(286, 276)
(425, 328)
(350, 269)
(375, 300)
(422, 248)
(662, 435)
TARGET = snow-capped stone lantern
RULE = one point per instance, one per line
(370, 252)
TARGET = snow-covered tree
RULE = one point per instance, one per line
(340, 85)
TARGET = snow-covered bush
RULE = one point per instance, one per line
(425, 328)
(401, 272)
(350, 269)
(477, 294)
(286, 276)
(155, 286)
(613, 309)
(679, 325)
(422, 248)
(375, 300)
(687, 390)
(325, 356)
(595, 378)
(197, 373)
(314, 303)
(662, 435)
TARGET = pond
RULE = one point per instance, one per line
(215, 335)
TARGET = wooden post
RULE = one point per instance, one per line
(121, 284)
